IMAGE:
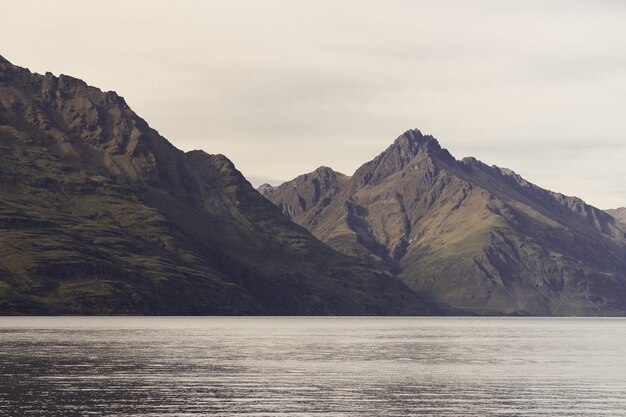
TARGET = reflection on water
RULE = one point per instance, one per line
(308, 366)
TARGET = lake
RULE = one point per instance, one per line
(179, 366)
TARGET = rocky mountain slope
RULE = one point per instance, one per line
(100, 214)
(618, 213)
(477, 237)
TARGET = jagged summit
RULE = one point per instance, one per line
(413, 139)
(61, 86)
(409, 146)
(411, 142)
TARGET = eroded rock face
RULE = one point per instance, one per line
(101, 214)
(477, 237)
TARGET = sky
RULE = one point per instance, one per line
(283, 87)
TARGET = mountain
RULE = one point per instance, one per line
(99, 214)
(479, 238)
(265, 189)
(618, 213)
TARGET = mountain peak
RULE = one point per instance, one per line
(413, 140)
(324, 171)
(265, 189)
(411, 143)
(397, 156)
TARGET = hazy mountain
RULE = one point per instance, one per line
(257, 181)
(100, 214)
(618, 213)
(478, 237)
(265, 189)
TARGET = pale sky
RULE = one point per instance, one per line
(282, 87)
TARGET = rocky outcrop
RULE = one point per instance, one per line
(478, 237)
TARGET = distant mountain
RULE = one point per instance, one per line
(265, 189)
(99, 214)
(257, 181)
(618, 213)
(477, 237)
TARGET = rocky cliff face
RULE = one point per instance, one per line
(101, 214)
(479, 238)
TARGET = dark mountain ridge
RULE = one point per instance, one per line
(102, 215)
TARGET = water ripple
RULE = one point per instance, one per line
(312, 366)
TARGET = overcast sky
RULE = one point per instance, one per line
(282, 87)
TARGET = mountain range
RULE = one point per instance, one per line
(478, 238)
(99, 214)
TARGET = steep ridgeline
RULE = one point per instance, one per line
(100, 214)
(618, 213)
(479, 238)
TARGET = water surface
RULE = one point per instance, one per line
(312, 366)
